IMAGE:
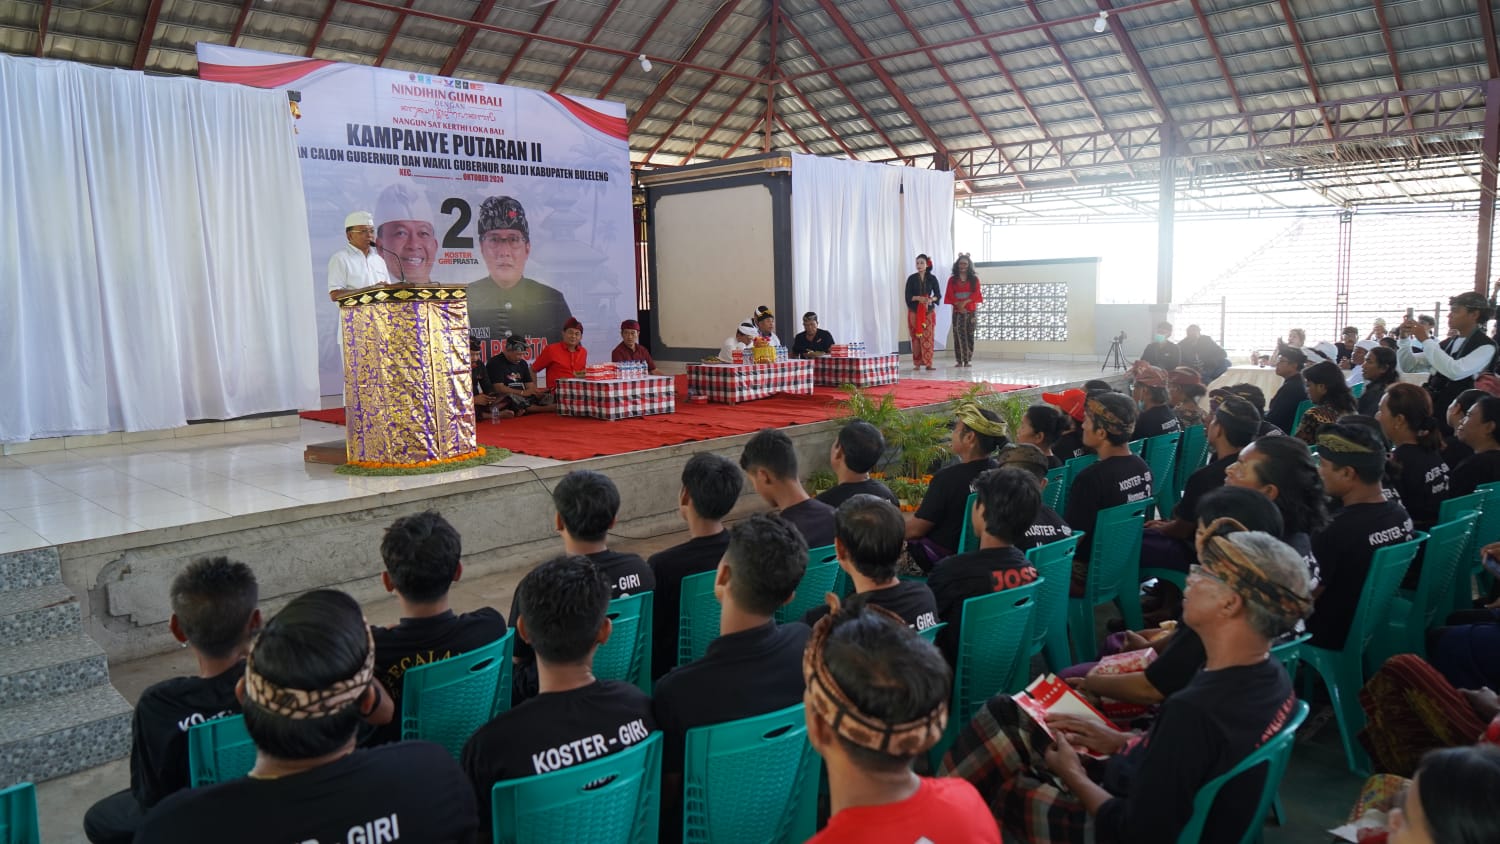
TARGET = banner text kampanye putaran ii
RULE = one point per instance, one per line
(521, 195)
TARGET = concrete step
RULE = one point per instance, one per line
(43, 670)
(63, 734)
(29, 569)
(37, 614)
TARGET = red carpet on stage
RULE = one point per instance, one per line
(575, 438)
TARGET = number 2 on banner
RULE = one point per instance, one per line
(455, 238)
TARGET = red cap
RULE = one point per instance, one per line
(1068, 401)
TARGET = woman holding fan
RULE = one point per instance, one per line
(921, 312)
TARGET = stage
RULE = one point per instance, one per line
(126, 515)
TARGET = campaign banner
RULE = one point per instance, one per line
(521, 195)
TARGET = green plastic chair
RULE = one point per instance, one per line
(18, 817)
(817, 582)
(1487, 530)
(1192, 455)
(995, 631)
(613, 800)
(1049, 622)
(1448, 510)
(446, 702)
(1274, 754)
(1289, 654)
(930, 634)
(1073, 467)
(219, 750)
(1343, 670)
(1114, 575)
(843, 585)
(1161, 457)
(1137, 447)
(1413, 613)
(1358, 390)
(968, 537)
(1297, 417)
(1056, 491)
(697, 617)
(627, 654)
(751, 781)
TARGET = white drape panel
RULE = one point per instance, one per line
(927, 228)
(846, 246)
(154, 256)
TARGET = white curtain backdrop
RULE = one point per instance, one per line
(846, 248)
(154, 256)
(927, 228)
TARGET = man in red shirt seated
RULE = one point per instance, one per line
(877, 698)
(567, 359)
(630, 347)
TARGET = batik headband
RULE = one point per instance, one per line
(969, 413)
(1107, 419)
(307, 704)
(1228, 561)
(1346, 452)
(828, 701)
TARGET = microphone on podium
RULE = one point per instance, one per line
(400, 265)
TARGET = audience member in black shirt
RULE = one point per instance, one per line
(771, 462)
(755, 666)
(1420, 475)
(574, 718)
(1006, 505)
(308, 681)
(1047, 526)
(1070, 443)
(512, 378)
(1353, 461)
(1119, 477)
(852, 456)
(1168, 543)
(1156, 416)
(1283, 410)
(1455, 450)
(710, 487)
(1041, 426)
(214, 615)
(933, 532)
(1480, 430)
(586, 504)
(1379, 372)
(1203, 354)
(868, 537)
(1161, 352)
(1251, 589)
(1285, 471)
(421, 555)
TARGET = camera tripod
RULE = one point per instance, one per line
(1114, 356)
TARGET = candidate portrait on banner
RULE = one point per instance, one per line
(505, 303)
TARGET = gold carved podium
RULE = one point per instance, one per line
(408, 391)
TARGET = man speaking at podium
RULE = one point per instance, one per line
(359, 263)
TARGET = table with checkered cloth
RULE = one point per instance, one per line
(617, 399)
(871, 371)
(734, 382)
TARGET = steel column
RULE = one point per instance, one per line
(771, 21)
(1487, 185)
(1487, 31)
(1166, 199)
(148, 31)
(41, 29)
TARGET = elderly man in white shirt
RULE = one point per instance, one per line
(359, 263)
(1456, 361)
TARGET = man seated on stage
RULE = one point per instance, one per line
(358, 264)
(852, 456)
(933, 531)
(1161, 351)
(505, 303)
(512, 380)
(630, 347)
(567, 359)
(711, 487)
(213, 615)
(485, 393)
(407, 240)
(421, 554)
(308, 682)
(869, 534)
(563, 618)
(1201, 353)
(877, 698)
(771, 462)
(1454, 362)
(586, 504)
(813, 342)
(755, 665)
(744, 333)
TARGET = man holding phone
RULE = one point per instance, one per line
(1456, 361)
